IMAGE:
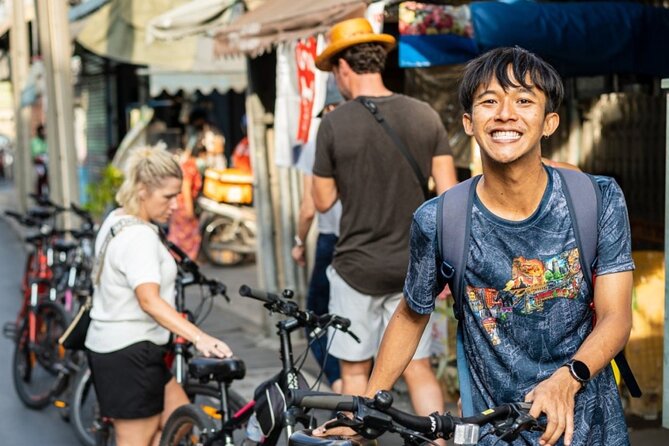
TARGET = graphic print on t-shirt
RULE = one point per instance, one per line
(533, 282)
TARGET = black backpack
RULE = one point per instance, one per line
(584, 201)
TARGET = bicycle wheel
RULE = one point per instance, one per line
(188, 425)
(84, 411)
(206, 395)
(36, 366)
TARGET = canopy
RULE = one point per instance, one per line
(126, 31)
(578, 38)
(195, 17)
(279, 21)
(232, 77)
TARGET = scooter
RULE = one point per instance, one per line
(228, 231)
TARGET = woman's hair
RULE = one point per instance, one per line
(495, 64)
(148, 167)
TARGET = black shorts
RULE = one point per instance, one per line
(130, 383)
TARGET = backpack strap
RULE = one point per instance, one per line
(581, 190)
(455, 206)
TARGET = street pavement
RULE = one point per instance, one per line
(238, 323)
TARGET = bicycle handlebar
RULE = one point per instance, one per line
(309, 319)
(374, 416)
(216, 287)
(262, 296)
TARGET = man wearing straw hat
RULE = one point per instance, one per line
(374, 153)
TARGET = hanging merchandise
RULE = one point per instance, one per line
(293, 116)
(305, 54)
(286, 106)
(375, 13)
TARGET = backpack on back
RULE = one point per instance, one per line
(584, 202)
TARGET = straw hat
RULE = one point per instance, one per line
(348, 33)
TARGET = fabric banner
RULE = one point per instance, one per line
(578, 38)
(288, 104)
(305, 55)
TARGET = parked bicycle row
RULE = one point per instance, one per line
(45, 372)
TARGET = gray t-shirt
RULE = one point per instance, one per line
(377, 187)
(328, 222)
(528, 305)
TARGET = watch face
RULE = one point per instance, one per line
(580, 370)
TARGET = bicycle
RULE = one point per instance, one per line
(189, 425)
(41, 368)
(372, 417)
(91, 428)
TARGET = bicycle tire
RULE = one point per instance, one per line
(84, 407)
(210, 403)
(188, 425)
(35, 368)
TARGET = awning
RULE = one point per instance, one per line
(195, 17)
(283, 20)
(232, 77)
(578, 38)
(117, 30)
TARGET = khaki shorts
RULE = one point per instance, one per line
(369, 317)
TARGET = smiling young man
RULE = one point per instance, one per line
(527, 334)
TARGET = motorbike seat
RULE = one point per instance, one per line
(64, 245)
(221, 370)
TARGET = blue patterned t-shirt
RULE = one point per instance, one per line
(527, 307)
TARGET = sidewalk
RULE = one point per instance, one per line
(239, 323)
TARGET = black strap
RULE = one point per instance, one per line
(580, 193)
(455, 206)
(374, 110)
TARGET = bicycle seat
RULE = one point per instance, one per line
(304, 438)
(34, 239)
(40, 213)
(64, 245)
(218, 369)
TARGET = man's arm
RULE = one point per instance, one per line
(398, 346)
(555, 395)
(304, 219)
(443, 172)
(324, 193)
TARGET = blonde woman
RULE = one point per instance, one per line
(133, 304)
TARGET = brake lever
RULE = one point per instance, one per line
(343, 421)
(354, 336)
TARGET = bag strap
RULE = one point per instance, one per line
(455, 206)
(113, 232)
(585, 219)
(399, 144)
(581, 191)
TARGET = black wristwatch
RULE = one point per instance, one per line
(579, 371)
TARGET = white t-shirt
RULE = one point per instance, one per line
(134, 256)
(328, 221)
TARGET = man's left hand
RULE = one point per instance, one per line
(555, 398)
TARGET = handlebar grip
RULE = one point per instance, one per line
(264, 296)
(81, 212)
(411, 421)
(321, 400)
(13, 214)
